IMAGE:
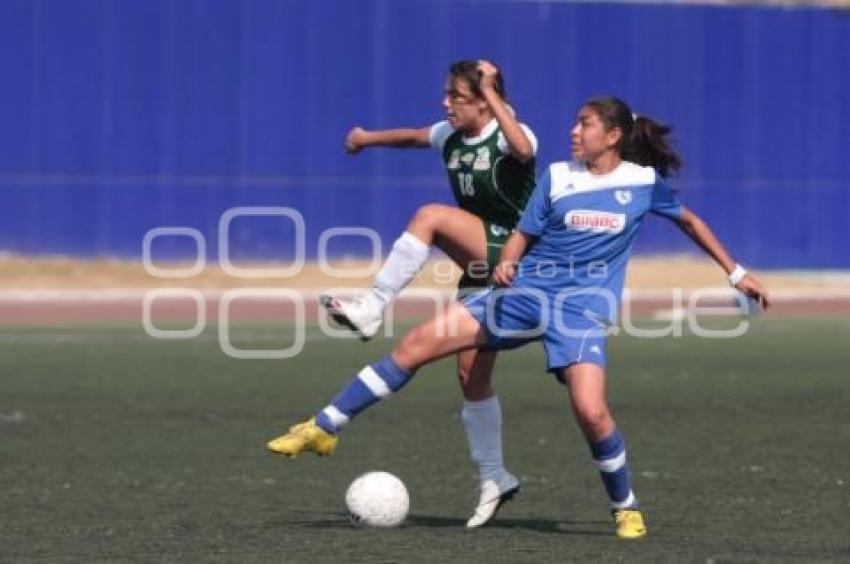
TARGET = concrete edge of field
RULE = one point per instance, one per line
(56, 291)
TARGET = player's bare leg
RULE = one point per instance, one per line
(586, 382)
(452, 331)
(474, 372)
(457, 232)
(453, 230)
(482, 420)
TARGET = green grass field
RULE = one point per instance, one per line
(115, 447)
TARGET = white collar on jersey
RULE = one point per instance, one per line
(573, 178)
(485, 133)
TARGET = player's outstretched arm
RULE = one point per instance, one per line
(703, 236)
(518, 142)
(359, 138)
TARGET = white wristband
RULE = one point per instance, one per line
(737, 275)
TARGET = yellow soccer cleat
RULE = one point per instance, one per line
(629, 524)
(304, 437)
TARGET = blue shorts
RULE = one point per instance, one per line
(512, 317)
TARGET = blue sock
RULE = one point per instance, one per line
(370, 385)
(609, 455)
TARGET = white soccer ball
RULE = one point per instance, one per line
(377, 499)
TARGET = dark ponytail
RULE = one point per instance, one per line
(648, 146)
(644, 140)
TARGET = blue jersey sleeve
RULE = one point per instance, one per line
(533, 220)
(664, 200)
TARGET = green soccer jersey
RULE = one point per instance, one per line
(486, 179)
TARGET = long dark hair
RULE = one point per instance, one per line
(644, 140)
(468, 70)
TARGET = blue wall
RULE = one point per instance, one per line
(117, 116)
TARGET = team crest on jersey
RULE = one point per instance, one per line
(595, 221)
(454, 160)
(482, 159)
(623, 196)
(498, 230)
(467, 158)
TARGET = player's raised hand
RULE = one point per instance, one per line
(503, 274)
(488, 73)
(750, 286)
(354, 141)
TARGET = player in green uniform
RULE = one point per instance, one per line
(489, 157)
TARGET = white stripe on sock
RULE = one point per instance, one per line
(338, 419)
(629, 501)
(611, 464)
(374, 382)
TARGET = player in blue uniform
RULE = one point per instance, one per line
(560, 276)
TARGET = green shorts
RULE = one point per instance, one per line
(477, 276)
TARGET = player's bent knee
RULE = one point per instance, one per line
(414, 347)
(428, 216)
(596, 421)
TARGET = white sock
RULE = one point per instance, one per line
(402, 265)
(483, 423)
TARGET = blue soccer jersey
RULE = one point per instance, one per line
(569, 283)
(585, 226)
